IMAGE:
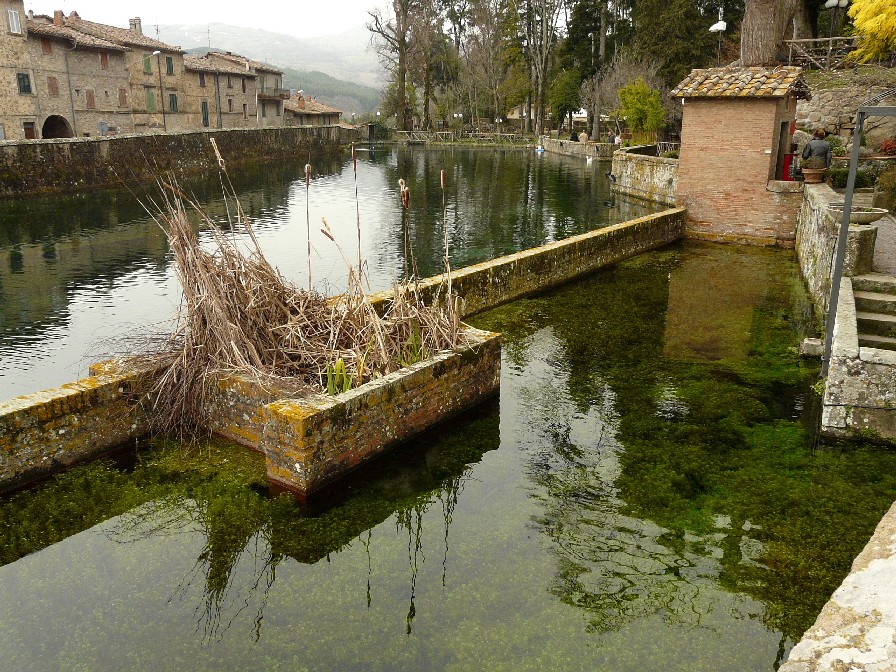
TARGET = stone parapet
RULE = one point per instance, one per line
(83, 164)
(652, 178)
(595, 150)
(816, 239)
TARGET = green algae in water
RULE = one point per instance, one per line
(643, 496)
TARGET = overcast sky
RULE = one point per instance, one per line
(301, 18)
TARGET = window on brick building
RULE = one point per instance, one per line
(278, 109)
(264, 110)
(169, 65)
(230, 104)
(2, 132)
(29, 128)
(14, 22)
(172, 102)
(204, 109)
(147, 64)
(202, 79)
(24, 82)
(229, 82)
(150, 100)
(243, 79)
(91, 99)
(122, 97)
(46, 46)
(245, 111)
(53, 86)
(104, 60)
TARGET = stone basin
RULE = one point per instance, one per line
(858, 215)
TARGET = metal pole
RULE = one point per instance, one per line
(837, 273)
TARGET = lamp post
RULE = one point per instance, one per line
(158, 56)
(719, 27)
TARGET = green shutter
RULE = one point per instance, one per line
(150, 100)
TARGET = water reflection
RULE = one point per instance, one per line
(636, 499)
(82, 271)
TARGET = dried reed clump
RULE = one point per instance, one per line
(240, 316)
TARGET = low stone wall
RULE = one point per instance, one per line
(504, 279)
(47, 431)
(82, 164)
(649, 177)
(596, 150)
(313, 440)
(856, 629)
(816, 238)
(860, 391)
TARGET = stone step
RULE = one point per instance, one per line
(877, 324)
(875, 282)
(875, 302)
(879, 342)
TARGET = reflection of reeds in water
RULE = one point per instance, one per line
(239, 315)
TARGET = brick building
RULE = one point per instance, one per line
(301, 111)
(736, 130)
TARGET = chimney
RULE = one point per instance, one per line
(136, 25)
(58, 18)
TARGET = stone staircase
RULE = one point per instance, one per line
(875, 296)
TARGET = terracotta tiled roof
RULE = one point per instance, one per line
(753, 82)
(301, 105)
(242, 60)
(123, 36)
(78, 38)
(204, 64)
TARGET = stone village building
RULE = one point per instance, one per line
(63, 76)
(301, 111)
(736, 131)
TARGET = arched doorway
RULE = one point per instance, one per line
(56, 127)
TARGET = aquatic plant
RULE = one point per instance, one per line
(240, 316)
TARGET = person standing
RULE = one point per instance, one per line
(611, 137)
(819, 147)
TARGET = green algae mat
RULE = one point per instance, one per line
(647, 493)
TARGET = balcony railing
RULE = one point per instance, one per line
(273, 94)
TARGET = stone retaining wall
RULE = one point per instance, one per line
(652, 178)
(834, 110)
(816, 238)
(44, 432)
(504, 279)
(313, 440)
(47, 431)
(82, 164)
(597, 150)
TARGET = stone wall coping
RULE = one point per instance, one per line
(846, 335)
(877, 356)
(784, 186)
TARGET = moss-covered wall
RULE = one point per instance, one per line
(82, 164)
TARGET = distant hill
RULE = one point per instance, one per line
(349, 97)
(344, 56)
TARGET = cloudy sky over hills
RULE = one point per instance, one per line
(300, 18)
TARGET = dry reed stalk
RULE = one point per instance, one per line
(240, 316)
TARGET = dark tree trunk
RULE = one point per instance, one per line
(764, 29)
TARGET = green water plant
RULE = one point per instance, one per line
(338, 379)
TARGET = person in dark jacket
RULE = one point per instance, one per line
(818, 146)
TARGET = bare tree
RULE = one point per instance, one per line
(601, 92)
(764, 29)
(484, 51)
(391, 37)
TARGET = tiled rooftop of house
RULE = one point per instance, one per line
(244, 62)
(78, 38)
(302, 105)
(205, 64)
(753, 82)
(123, 36)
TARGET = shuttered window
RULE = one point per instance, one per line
(53, 86)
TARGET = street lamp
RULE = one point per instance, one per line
(158, 56)
(719, 27)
